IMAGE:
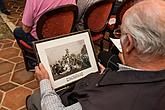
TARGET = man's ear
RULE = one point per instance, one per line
(129, 43)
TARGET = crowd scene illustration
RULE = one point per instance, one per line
(71, 63)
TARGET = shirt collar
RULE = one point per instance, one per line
(126, 68)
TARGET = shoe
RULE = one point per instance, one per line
(6, 12)
(27, 101)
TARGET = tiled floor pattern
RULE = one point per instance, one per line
(15, 82)
(16, 8)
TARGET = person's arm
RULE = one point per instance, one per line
(49, 98)
(101, 67)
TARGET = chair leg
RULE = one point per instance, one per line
(30, 61)
(25, 60)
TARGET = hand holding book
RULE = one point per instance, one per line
(41, 73)
(66, 58)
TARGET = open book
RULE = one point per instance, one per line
(67, 58)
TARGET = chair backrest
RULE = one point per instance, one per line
(58, 21)
(123, 8)
(97, 15)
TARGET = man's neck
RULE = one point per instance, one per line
(147, 63)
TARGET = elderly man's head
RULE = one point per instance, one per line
(143, 31)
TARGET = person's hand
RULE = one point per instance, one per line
(41, 73)
(102, 68)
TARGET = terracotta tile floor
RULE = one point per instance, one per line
(16, 9)
(15, 82)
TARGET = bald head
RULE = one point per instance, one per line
(145, 22)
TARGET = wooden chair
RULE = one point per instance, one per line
(123, 8)
(55, 22)
(119, 15)
(96, 18)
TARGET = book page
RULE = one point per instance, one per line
(116, 42)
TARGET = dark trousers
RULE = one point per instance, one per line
(34, 101)
(19, 34)
(29, 58)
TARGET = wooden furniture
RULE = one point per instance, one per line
(96, 18)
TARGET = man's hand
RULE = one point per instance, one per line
(41, 72)
(102, 68)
